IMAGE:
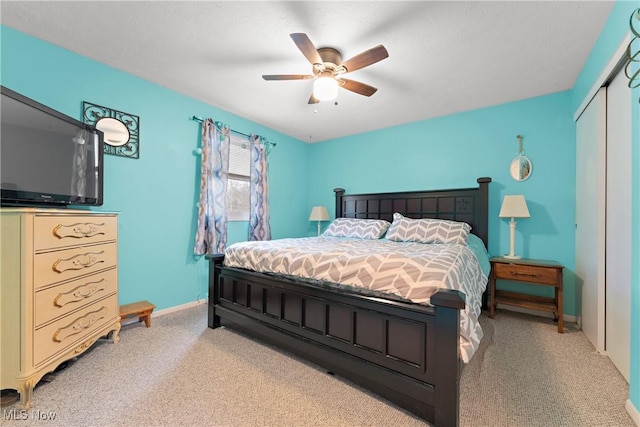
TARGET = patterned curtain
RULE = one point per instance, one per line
(259, 228)
(211, 232)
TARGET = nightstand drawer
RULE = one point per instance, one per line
(526, 273)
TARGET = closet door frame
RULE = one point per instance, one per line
(608, 73)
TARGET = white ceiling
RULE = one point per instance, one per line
(445, 57)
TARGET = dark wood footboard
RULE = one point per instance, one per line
(406, 353)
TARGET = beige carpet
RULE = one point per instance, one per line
(527, 374)
(179, 372)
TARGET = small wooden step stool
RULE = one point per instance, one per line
(141, 309)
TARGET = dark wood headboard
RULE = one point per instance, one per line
(470, 205)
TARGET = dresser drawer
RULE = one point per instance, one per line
(60, 300)
(52, 232)
(526, 273)
(53, 267)
(70, 330)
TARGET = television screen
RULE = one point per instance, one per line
(46, 157)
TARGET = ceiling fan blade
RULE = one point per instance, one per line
(306, 47)
(287, 76)
(313, 100)
(357, 87)
(366, 58)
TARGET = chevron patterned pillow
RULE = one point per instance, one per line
(427, 230)
(358, 228)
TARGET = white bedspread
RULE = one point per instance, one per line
(413, 271)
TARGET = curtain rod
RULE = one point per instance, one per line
(200, 120)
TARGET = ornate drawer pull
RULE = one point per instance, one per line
(78, 293)
(79, 230)
(79, 325)
(77, 262)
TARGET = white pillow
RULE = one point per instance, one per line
(427, 230)
(357, 227)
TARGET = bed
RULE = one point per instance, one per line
(407, 353)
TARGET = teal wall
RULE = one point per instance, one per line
(455, 150)
(156, 194)
(616, 28)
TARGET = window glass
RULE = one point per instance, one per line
(238, 198)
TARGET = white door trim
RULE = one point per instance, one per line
(605, 75)
(591, 149)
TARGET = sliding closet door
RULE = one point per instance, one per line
(590, 217)
(618, 225)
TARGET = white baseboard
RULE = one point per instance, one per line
(178, 307)
(566, 317)
(633, 411)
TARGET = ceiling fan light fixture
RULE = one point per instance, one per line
(325, 88)
(328, 69)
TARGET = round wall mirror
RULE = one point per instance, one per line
(116, 133)
(521, 168)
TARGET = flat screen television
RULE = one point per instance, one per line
(47, 158)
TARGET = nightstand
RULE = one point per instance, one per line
(538, 272)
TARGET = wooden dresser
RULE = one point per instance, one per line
(59, 290)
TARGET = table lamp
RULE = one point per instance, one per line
(513, 207)
(319, 213)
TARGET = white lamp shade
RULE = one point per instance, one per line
(514, 207)
(325, 88)
(319, 213)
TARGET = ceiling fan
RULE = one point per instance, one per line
(328, 69)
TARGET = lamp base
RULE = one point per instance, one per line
(512, 256)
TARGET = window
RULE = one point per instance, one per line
(238, 198)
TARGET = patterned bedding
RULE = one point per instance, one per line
(410, 270)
